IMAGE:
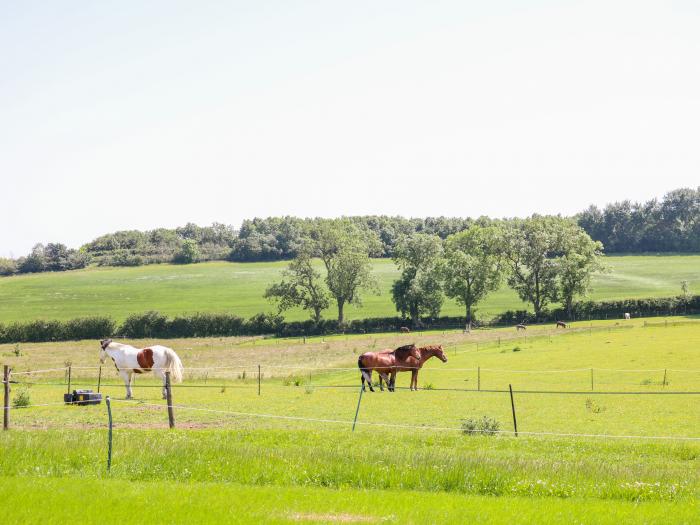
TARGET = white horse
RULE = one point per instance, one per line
(130, 360)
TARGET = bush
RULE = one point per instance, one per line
(89, 328)
(140, 326)
(7, 266)
(21, 399)
(486, 425)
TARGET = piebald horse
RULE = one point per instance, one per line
(130, 360)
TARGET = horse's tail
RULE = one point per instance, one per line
(365, 373)
(173, 365)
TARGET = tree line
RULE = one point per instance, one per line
(671, 224)
(544, 259)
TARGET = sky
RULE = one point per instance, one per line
(137, 115)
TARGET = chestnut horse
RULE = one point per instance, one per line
(415, 362)
(385, 363)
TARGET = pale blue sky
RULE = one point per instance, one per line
(119, 115)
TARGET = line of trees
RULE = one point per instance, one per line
(545, 260)
(671, 224)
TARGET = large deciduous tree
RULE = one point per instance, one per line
(345, 249)
(418, 290)
(301, 286)
(550, 259)
(473, 266)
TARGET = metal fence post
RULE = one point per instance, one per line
(109, 434)
(512, 406)
(357, 411)
(99, 379)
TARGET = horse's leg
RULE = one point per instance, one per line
(392, 381)
(414, 379)
(385, 377)
(162, 377)
(126, 376)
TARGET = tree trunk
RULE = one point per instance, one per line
(468, 328)
(341, 305)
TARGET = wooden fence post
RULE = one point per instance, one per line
(357, 411)
(591, 379)
(512, 406)
(664, 383)
(169, 400)
(478, 378)
(6, 403)
(99, 379)
(258, 379)
(109, 434)
(69, 378)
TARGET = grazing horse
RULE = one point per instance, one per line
(627, 316)
(561, 324)
(520, 326)
(130, 360)
(405, 330)
(384, 363)
(414, 362)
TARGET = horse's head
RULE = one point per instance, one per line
(103, 349)
(439, 353)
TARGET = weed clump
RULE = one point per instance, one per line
(21, 399)
(486, 425)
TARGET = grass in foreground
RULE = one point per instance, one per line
(117, 501)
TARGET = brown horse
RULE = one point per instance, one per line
(415, 362)
(385, 363)
(561, 324)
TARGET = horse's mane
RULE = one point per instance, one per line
(405, 351)
(431, 347)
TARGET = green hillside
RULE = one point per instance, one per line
(238, 288)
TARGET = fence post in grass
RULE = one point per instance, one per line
(69, 374)
(512, 406)
(258, 379)
(6, 402)
(478, 378)
(591, 379)
(109, 434)
(664, 382)
(169, 400)
(357, 411)
(99, 379)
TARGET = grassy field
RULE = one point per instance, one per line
(238, 288)
(289, 455)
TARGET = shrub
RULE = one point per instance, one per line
(140, 326)
(21, 399)
(486, 425)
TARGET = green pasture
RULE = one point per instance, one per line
(289, 455)
(238, 288)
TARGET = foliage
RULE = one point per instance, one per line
(7, 266)
(301, 286)
(22, 398)
(671, 225)
(344, 250)
(473, 266)
(580, 260)
(485, 426)
(189, 253)
(418, 291)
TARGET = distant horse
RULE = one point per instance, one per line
(520, 326)
(627, 316)
(384, 363)
(130, 360)
(405, 330)
(414, 363)
(561, 324)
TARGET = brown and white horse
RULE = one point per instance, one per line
(130, 360)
